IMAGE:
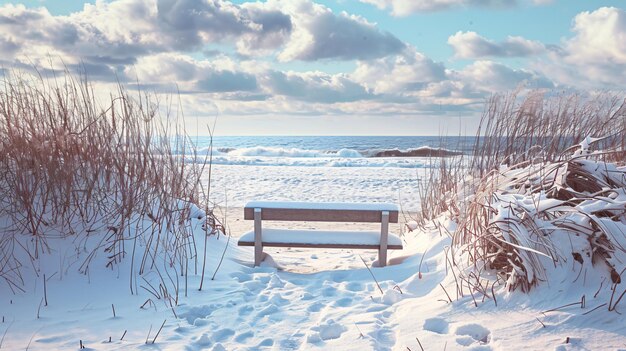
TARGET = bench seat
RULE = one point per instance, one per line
(382, 213)
(321, 239)
(301, 205)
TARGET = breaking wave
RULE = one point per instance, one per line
(276, 156)
(267, 151)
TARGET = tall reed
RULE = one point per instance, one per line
(560, 147)
(72, 165)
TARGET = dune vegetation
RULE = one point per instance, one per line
(73, 165)
(543, 191)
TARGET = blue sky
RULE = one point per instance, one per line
(325, 66)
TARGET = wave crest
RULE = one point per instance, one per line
(269, 151)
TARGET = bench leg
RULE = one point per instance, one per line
(258, 238)
(384, 234)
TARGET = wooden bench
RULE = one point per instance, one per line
(321, 212)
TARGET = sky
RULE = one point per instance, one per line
(324, 67)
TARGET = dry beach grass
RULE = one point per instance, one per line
(72, 166)
(110, 184)
(525, 193)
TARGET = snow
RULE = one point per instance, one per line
(344, 159)
(354, 206)
(236, 185)
(411, 225)
(248, 308)
(320, 237)
(337, 308)
(327, 330)
(340, 303)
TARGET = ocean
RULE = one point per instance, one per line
(323, 168)
(311, 146)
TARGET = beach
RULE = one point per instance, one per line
(134, 134)
(324, 173)
(319, 169)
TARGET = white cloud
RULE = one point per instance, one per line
(406, 72)
(407, 7)
(221, 75)
(600, 37)
(595, 56)
(321, 34)
(106, 32)
(412, 78)
(173, 25)
(274, 29)
(489, 76)
(157, 42)
(230, 80)
(471, 45)
(8, 47)
(406, 84)
(316, 87)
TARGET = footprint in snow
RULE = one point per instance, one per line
(343, 302)
(218, 347)
(338, 277)
(183, 330)
(204, 341)
(223, 334)
(262, 298)
(241, 277)
(275, 282)
(200, 312)
(353, 286)
(278, 300)
(326, 330)
(267, 311)
(307, 296)
(436, 325)
(475, 332)
(384, 337)
(253, 285)
(329, 291)
(289, 344)
(245, 310)
(265, 343)
(200, 322)
(264, 278)
(386, 314)
(244, 336)
(298, 282)
(376, 308)
(316, 307)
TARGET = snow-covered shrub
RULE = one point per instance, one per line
(522, 220)
(537, 193)
(74, 166)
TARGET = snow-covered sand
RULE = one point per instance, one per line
(319, 300)
(303, 299)
(234, 185)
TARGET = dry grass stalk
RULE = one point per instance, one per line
(538, 148)
(70, 166)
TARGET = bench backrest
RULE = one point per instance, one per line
(321, 212)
